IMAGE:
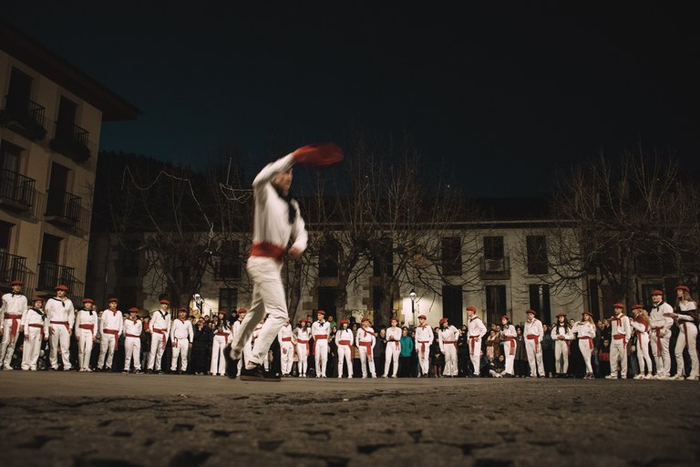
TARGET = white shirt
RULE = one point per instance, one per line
(509, 331)
(561, 331)
(344, 335)
(285, 332)
(658, 320)
(450, 334)
(365, 335)
(534, 329)
(182, 330)
(113, 320)
(34, 317)
(396, 333)
(585, 329)
(160, 320)
(303, 334)
(88, 318)
(639, 326)
(13, 304)
(621, 326)
(271, 220)
(321, 328)
(475, 327)
(133, 327)
(60, 310)
(424, 336)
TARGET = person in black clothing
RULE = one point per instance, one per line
(200, 346)
(379, 351)
(522, 367)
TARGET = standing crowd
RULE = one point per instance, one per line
(51, 334)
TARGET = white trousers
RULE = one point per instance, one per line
(155, 355)
(84, 348)
(643, 353)
(365, 361)
(475, 354)
(451, 367)
(561, 356)
(688, 336)
(107, 345)
(303, 359)
(218, 364)
(321, 356)
(287, 357)
(344, 357)
(268, 299)
(661, 356)
(7, 345)
(132, 347)
(586, 348)
(618, 354)
(59, 338)
(534, 357)
(393, 352)
(180, 350)
(510, 359)
(423, 357)
(32, 348)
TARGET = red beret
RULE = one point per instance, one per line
(588, 313)
(505, 317)
(38, 299)
(471, 308)
(422, 317)
(394, 318)
(113, 299)
(618, 305)
(242, 310)
(443, 320)
(683, 287)
(561, 314)
(531, 311)
(88, 300)
(133, 309)
(365, 319)
(61, 287)
(657, 292)
(303, 320)
(16, 283)
(343, 321)
(182, 309)
(637, 307)
(321, 312)
(165, 301)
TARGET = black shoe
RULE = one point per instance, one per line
(258, 374)
(231, 364)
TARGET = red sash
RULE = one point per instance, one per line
(512, 344)
(451, 342)
(348, 344)
(267, 250)
(65, 323)
(91, 327)
(617, 337)
(165, 336)
(225, 336)
(472, 340)
(368, 348)
(536, 338)
(659, 346)
(306, 343)
(590, 342)
(132, 335)
(422, 346)
(115, 333)
(15, 325)
(317, 338)
(41, 326)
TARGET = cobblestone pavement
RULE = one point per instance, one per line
(113, 420)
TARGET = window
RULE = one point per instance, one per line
(228, 299)
(129, 257)
(493, 248)
(5, 235)
(539, 301)
(18, 93)
(537, 254)
(327, 299)
(452, 256)
(230, 262)
(65, 123)
(452, 304)
(328, 259)
(495, 303)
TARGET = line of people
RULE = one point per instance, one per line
(324, 348)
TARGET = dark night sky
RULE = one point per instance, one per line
(503, 96)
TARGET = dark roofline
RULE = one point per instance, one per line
(65, 74)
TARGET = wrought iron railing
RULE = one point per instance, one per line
(495, 268)
(12, 268)
(64, 206)
(52, 274)
(24, 116)
(16, 189)
(72, 141)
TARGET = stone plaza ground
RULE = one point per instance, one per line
(113, 420)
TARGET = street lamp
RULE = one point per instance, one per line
(412, 294)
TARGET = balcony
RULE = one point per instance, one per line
(16, 191)
(13, 268)
(63, 208)
(495, 268)
(72, 141)
(25, 117)
(52, 274)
